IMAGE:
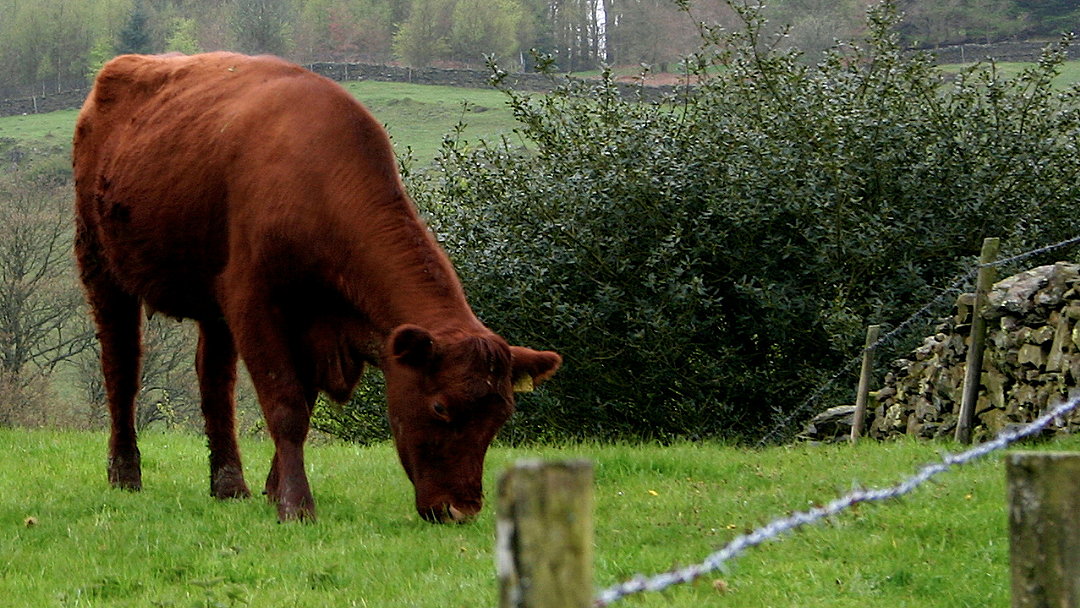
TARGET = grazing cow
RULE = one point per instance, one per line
(263, 201)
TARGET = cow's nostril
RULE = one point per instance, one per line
(458, 516)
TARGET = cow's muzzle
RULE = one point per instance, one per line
(449, 514)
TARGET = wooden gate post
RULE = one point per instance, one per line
(1044, 528)
(973, 371)
(863, 392)
(544, 535)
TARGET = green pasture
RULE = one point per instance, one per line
(1070, 71)
(416, 116)
(419, 116)
(50, 130)
(67, 539)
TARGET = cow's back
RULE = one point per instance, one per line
(179, 161)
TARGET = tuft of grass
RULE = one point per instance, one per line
(658, 507)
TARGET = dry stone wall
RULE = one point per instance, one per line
(1032, 361)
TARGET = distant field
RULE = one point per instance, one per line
(1070, 71)
(417, 117)
(68, 540)
(51, 129)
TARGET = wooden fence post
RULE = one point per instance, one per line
(863, 392)
(1044, 528)
(973, 370)
(544, 535)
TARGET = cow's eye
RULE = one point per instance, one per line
(440, 411)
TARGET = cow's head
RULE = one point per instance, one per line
(448, 395)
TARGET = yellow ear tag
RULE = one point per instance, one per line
(524, 384)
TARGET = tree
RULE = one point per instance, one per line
(343, 30)
(483, 27)
(579, 40)
(956, 21)
(135, 36)
(424, 37)
(261, 26)
(183, 38)
(40, 302)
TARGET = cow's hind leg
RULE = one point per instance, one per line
(216, 364)
(118, 320)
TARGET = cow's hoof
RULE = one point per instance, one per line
(304, 512)
(125, 473)
(228, 482)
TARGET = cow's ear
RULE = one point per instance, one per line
(412, 345)
(531, 367)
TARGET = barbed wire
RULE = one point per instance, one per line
(888, 338)
(1034, 252)
(891, 336)
(797, 520)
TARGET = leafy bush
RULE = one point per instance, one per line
(703, 262)
(362, 420)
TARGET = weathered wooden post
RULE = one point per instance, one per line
(544, 528)
(1044, 528)
(859, 421)
(973, 371)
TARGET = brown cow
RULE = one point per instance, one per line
(263, 201)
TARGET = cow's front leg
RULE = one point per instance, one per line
(287, 483)
(260, 334)
(216, 363)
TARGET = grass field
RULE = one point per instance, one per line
(657, 507)
(416, 116)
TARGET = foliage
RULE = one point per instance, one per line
(422, 38)
(261, 26)
(40, 303)
(704, 263)
(172, 545)
(341, 30)
(53, 45)
(986, 21)
(134, 37)
(182, 39)
(485, 26)
(363, 419)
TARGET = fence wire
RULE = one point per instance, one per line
(797, 520)
(1034, 252)
(956, 287)
(855, 362)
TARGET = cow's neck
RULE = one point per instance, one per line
(397, 274)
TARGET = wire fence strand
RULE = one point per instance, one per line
(891, 336)
(797, 520)
(1034, 252)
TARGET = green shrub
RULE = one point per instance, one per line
(362, 420)
(704, 262)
